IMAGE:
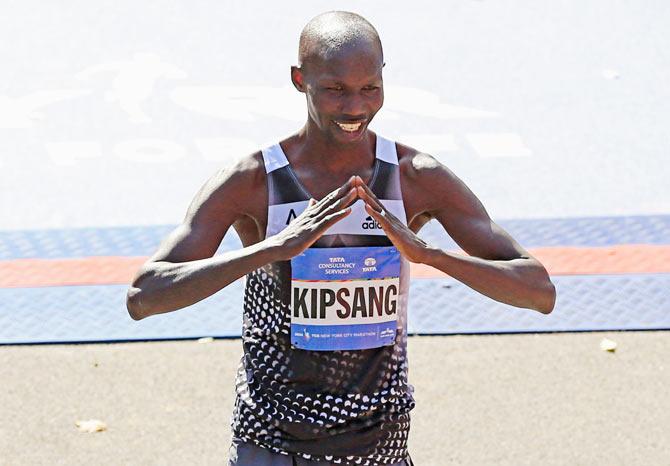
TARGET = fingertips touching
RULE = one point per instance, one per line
(361, 193)
(369, 198)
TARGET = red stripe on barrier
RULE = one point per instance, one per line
(622, 259)
(100, 270)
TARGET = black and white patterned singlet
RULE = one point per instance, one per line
(324, 371)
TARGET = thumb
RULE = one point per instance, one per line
(312, 201)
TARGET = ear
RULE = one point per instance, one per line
(298, 78)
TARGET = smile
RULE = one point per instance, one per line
(349, 127)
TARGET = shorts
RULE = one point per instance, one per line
(248, 454)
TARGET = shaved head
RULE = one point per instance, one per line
(329, 33)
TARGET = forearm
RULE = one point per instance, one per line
(165, 286)
(521, 282)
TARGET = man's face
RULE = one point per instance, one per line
(344, 91)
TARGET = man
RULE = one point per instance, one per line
(328, 220)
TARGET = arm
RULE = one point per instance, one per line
(497, 266)
(183, 271)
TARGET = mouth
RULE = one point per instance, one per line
(350, 127)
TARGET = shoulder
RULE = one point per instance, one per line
(233, 188)
(243, 175)
(420, 167)
(430, 187)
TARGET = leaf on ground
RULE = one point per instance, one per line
(92, 425)
(608, 345)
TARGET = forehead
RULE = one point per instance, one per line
(354, 62)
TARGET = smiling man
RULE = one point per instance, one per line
(328, 219)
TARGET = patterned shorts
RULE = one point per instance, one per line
(247, 454)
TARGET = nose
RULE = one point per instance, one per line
(353, 106)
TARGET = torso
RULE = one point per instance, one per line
(252, 225)
(340, 384)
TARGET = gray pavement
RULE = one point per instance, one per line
(504, 400)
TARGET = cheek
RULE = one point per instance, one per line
(322, 105)
(377, 100)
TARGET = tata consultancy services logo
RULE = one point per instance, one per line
(370, 263)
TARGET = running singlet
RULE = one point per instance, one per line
(325, 334)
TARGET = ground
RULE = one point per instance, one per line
(523, 399)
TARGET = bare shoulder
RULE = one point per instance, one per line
(427, 184)
(231, 191)
(231, 196)
(419, 166)
(435, 192)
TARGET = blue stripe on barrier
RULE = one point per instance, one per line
(437, 306)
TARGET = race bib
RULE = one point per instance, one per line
(344, 298)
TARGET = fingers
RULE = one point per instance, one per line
(333, 213)
(369, 199)
(339, 204)
(379, 216)
(365, 193)
(338, 193)
(328, 220)
(374, 205)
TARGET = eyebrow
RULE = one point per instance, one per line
(336, 79)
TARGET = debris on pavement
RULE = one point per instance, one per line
(608, 345)
(91, 425)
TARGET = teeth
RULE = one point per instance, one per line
(350, 127)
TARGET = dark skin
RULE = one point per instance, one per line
(335, 166)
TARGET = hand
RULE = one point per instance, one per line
(308, 227)
(408, 243)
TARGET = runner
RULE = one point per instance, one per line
(328, 220)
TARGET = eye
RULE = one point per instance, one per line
(371, 88)
(334, 88)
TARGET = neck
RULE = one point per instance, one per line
(333, 155)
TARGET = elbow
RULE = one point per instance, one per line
(134, 304)
(546, 299)
(137, 299)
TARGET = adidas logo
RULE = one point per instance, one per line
(370, 224)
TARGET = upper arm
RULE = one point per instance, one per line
(443, 196)
(222, 201)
